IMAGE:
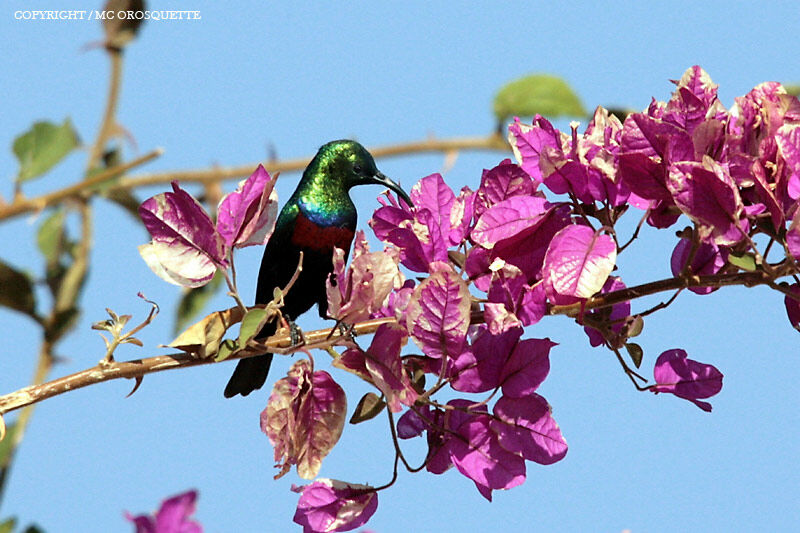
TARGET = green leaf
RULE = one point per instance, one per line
(50, 237)
(42, 147)
(636, 326)
(538, 93)
(745, 262)
(252, 323)
(17, 292)
(636, 353)
(33, 529)
(194, 300)
(8, 525)
(226, 349)
(792, 88)
(369, 406)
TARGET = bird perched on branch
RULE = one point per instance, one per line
(317, 217)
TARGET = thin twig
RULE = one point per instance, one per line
(23, 205)
(232, 290)
(109, 120)
(686, 271)
(636, 231)
(661, 305)
(747, 279)
(632, 375)
(769, 247)
(490, 143)
(784, 290)
(398, 454)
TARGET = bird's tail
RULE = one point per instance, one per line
(250, 375)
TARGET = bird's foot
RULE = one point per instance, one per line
(347, 330)
(344, 329)
(296, 335)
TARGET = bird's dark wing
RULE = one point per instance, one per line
(279, 261)
(294, 233)
(277, 268)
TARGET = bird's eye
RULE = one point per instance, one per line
(357, 168)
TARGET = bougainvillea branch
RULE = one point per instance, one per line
(317, 338)
(745, 279)
(539, 236)
(22, 205)
(149, 365)
(494, 143)
(109, 121)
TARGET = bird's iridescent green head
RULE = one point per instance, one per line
(345, 164)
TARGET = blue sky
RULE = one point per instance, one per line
(254, 74)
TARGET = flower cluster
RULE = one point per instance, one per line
(537, 237)
(734, 173)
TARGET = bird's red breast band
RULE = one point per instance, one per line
(307, 234)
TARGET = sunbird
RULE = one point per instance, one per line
(317, 217)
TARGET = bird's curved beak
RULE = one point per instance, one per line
(380, 179)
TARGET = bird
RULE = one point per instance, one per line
(317, 217)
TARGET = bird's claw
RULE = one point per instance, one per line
(344, 329)
(296, 335)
